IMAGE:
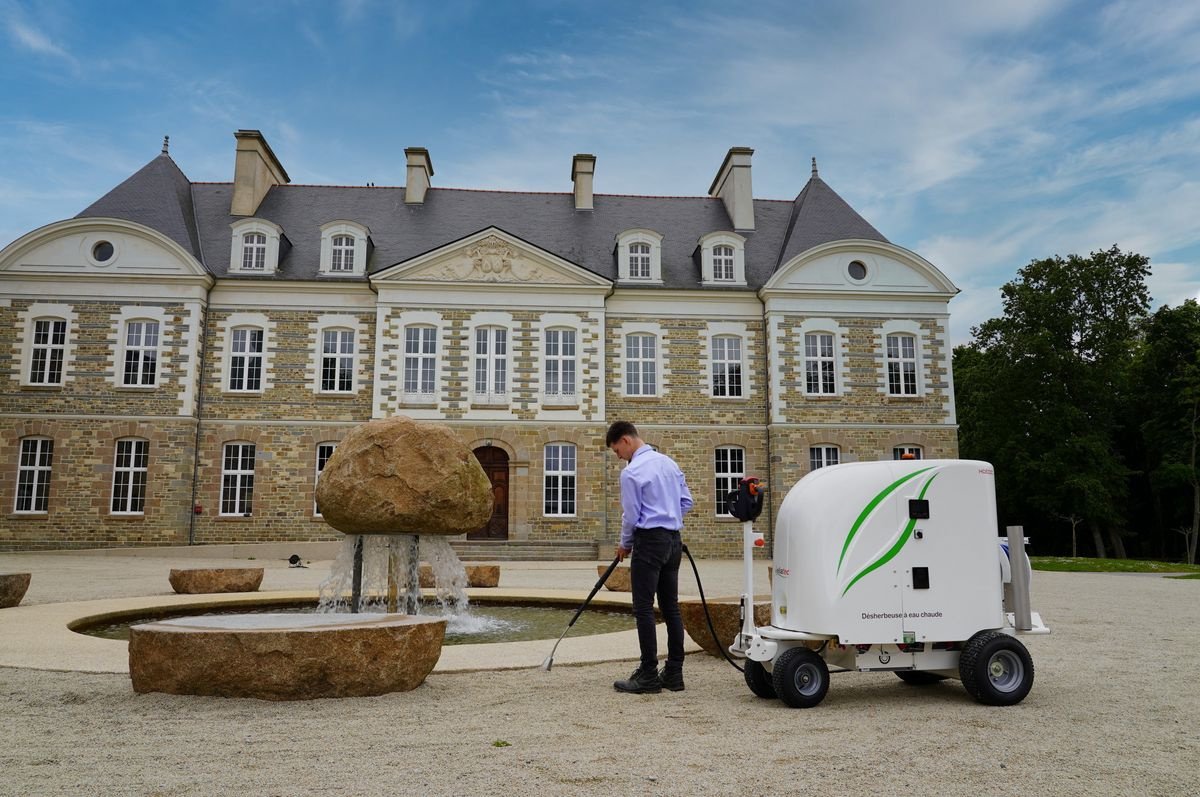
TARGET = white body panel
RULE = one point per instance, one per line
(848, 557)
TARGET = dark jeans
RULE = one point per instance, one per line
(654, 569)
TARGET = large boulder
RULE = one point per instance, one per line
(620, 580)
(196, 581)
(12, 588)
(477, 576)
(397, 476)
(726, 619)
(285, 656)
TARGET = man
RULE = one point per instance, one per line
(654, 499)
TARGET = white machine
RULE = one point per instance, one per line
(891, 566)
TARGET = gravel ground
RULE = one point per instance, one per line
(1112, 712)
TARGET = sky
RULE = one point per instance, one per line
(980, 135)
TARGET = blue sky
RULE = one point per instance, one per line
(979, 135)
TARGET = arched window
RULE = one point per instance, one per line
(822, 456)
(254, 251)
(131, 463)
(343, 253)
(907, 452)
(730, 469)
(723, 263)
(558, 494)
(33, 475)
(639, 261)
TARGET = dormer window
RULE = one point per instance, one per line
(723, 259)
(344, 248)
(639, 256)
(255, 247)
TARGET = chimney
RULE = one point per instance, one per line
(420, 169)
(582, 169)
(255, 171)
(732, 186)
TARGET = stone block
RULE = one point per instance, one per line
(477, 576)
(725, 618)
(619, 581)
(285, 656)
(218, 579)
(12, 588)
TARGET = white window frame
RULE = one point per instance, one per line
(708, 258)
(134, 466)
(896, 328)
(359, 236)
(639, 361)
(423, 362)
(245, 321)
(559, 368)
(271, 234)
(35, 468)
(243, 335)
(727, 475)
(560, 493)
(653, 241)
(824, 361)
(898, 452)
(823, 326)
(342, 361)
(901, 365)
(823, 455)
(721, 365)
(50, 327)
(27, 323)
(490, 375)
(242, 478)
(321, 459)
(146, 353)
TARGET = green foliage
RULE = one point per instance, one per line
(1083, 564)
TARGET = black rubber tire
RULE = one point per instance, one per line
(801, 678)
(919, 677)
(759, 680)
(996, 669)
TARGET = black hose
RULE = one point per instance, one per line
(708, 617)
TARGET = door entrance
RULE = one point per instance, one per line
(495, 465)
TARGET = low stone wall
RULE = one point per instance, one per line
(194, 581)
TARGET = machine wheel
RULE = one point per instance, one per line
(919, 677)
(996, 669)
(801, 678)
(759, 680)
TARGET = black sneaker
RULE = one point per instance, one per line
(671, 679)
(641, 682)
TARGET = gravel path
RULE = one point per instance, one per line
(1113, 712)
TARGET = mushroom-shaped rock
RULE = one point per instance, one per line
(12, 588)
(398, 476)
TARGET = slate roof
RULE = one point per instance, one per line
(197, 216)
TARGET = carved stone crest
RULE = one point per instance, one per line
(491, 260)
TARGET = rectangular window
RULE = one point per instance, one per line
(49, 344)
(730, 470)
(491, 363)
(639, 261)
(130, 465)
(237, 479)
(420, 360)
(727, 367)
(245, 361)
(337, 360)
(559, 480)
(907, 452)
(254, 251)
(820, 456)
(343, 253)
(141, 353)
(640, 365)
(560, 363)
(902, 365)
(723, 263)
(819, 376)
(33, 475)
(324, 452)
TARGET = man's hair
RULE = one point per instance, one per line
(618, 430)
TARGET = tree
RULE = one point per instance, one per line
(1168, 375)
(1043, 390)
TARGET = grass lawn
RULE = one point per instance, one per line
(1083, 564)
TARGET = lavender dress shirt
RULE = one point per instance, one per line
(654, 493)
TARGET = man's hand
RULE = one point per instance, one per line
(621, 553)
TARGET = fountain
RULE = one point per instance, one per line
(389, 483)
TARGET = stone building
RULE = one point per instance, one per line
(180, 358)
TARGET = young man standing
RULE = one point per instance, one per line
(654, 499)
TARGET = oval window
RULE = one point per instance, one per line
(102, 252)
(857, 270)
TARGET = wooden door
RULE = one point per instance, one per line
(495, 465)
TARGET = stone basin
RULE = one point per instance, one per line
(725, 618)
(196, 581)
(285, 656)
(12, 588)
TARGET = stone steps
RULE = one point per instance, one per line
(524, 550)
